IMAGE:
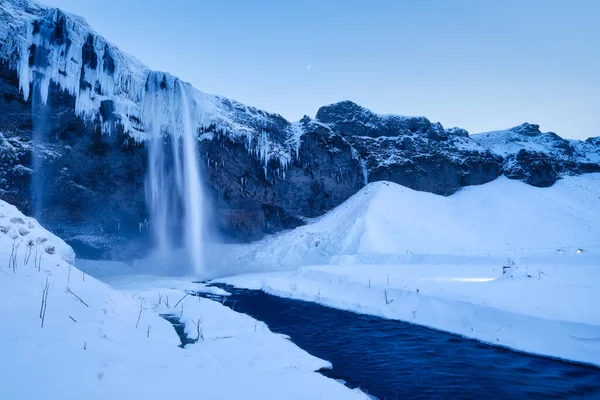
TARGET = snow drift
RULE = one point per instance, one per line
(385, 220)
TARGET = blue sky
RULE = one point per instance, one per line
(478, 64)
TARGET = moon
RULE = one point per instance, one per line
(309, 67)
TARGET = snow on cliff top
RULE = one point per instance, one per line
(46, 45)
(523, 137)
(386, 218)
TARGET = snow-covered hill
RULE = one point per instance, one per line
(66, 335)
(384, 220)
(504, 263)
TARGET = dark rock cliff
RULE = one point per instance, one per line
(412, 151)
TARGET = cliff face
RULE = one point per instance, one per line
(412, 151)
(82, 107)
(74, 117)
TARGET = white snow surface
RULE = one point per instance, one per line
(440, 261)
(385, 222)
(99, 350)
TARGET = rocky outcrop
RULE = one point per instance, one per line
(252, 198)
(540, 159)
(412, 151)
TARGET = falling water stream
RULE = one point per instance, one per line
(173, 185)
(192, 185)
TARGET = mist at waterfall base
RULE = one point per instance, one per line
(177, 206)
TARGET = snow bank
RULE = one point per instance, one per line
(536, 308)
(389, 223)
(99, 343)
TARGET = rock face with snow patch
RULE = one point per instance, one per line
(73, 140)
(540, 159)
(412, 151)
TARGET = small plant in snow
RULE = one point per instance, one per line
(78, 298)
(46, 288)
(180, 300)
(12, 260)
(385, 296)
(28, 252)
(148, 331)
(140, 314)
(200, 331)
(293, 286)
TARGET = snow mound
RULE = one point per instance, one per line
(385, 220)
(25, 235)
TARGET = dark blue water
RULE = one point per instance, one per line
(392, 359)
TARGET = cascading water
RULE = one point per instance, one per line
(173, 185)
(38, 55)
(192, 185)
(38, 134)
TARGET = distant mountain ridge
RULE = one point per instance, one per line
(62, 82)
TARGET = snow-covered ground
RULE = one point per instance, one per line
(388, 251)
(387, 223)
(440, 262)
(98, 342)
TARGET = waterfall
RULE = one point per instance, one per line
(38, 137)
(192, 185)
(173, 185)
